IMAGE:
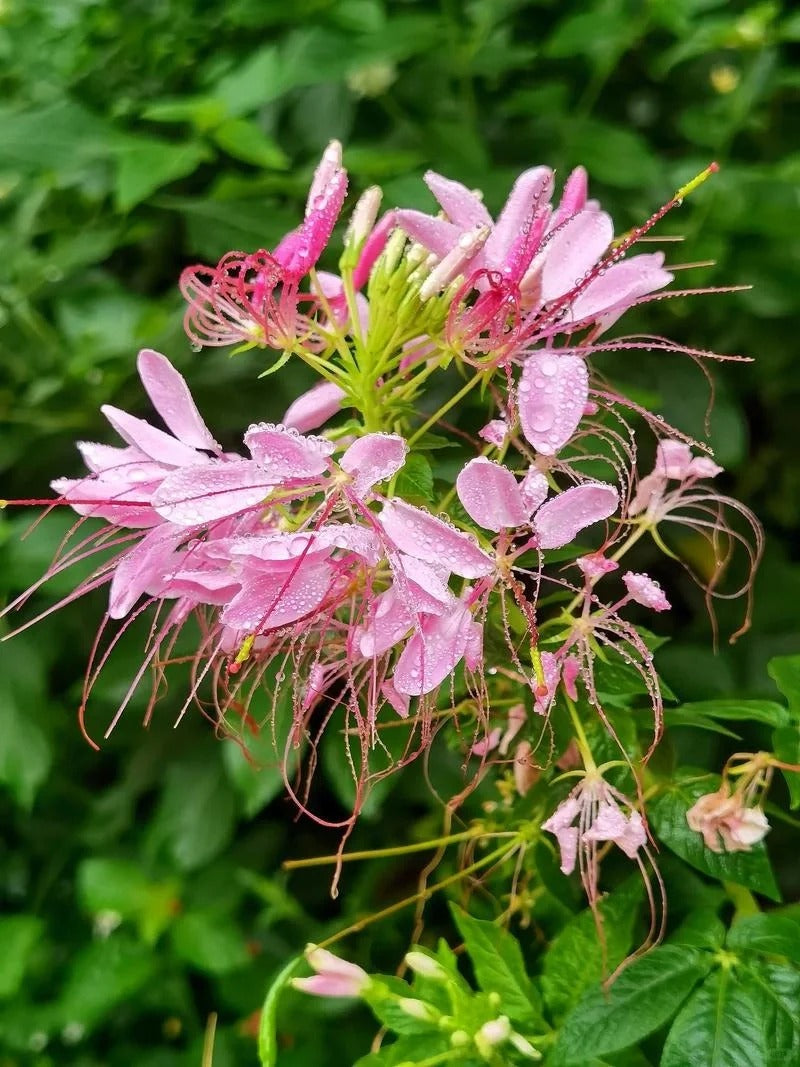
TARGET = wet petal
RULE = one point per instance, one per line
(372, 459)
(285, 454)
(434, 653)
(425, 537)
(620, 287)
(531, 193)
(196, 495)
(160, 446)
(559, 520)
(269, 598)
(173, 401)
(461, 205)
(436, 235)
(644, 590)
(573, 250)
(552, 393)
(140, 568)
(490, 495)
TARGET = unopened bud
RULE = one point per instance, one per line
(363, 217)
(465, 249)
(496, 1032)
(418, 1009)
(426, 966)
(460, 1039)
(524, 1047)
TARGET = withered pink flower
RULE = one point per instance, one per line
(727, 822)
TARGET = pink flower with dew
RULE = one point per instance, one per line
(335, 977)
(727, 822)
(675, 492)
(645, 591)
(253, 298)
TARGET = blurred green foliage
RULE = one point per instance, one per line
(135, 138)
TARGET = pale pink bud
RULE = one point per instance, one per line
(466, 247)
(335, 977)
(526, 773)
(364, 215)
(418, 1009)
(424, 965)
(495, 1032)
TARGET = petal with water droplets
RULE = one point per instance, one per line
(433, 653)
(372, 459)
(572, 250)
(173, 401)
(461, 205)
(314, 407)
(196, 495)
(278, 597)
(285, 454)
(420, 534)
(160, 446)
(490, 495)
(559, 520)
(552, 393)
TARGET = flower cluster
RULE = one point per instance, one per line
(338, 554)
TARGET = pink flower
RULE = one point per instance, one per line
(645, 591)
(335, 977)
(727, 822)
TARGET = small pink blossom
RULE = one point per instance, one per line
(335, 977)
(644, 590)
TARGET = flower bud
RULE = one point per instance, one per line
(426, 966)
(466, 248)
(497, 1031)
(363, 217)
(524, 1047)
(418, 1009)
(335, 977)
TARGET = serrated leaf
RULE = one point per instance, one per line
(415, 480)
(770, 935)
(734, 1019)
(640, 1001)
(267, 1036)
(667, 814)
(18, 937)
(499, 967)
(577, 957)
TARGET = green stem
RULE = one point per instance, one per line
(451, 403)
(580, 737)
(382, 853)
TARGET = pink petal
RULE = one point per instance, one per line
(276, 598)
(102, 458)
(573, 198)
(196, 495)
(314, 407)
(644, 590)
(596, 565)
(490, 495)
(573, 250)
(326, 171)
(419, 534)
(400, 702)
(201, 586)
(673, 459)
(389, 621)
(299, 251)
(463, 208)
(119, 502)
(530, 194)
(172, 400)
(495, 432)
(436, 235)
(559, 520)
(434, 653)
(552, 393)
(141, 568)
(487, 743)
(285, 454)
(422, 586)
(155, 443)
(703, 467)
(534, 488)
(620, 287)
(372, 459)
(551, 669)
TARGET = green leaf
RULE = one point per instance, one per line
(103, 975)
(245, 140)
(410, 1049)
(734, 1019)
(109, 885)
(210, 942)
(195, 817)
(770, 935)
(18, 937)
(785, 672)
(786, 746)
(577, 957)
(668, 819)
(25, 752)
(146, 164)
(766, 711)
(499, 967)
(415, 480)
(640, 1001)
(267, 1029)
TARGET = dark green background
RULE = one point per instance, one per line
(136, 138)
